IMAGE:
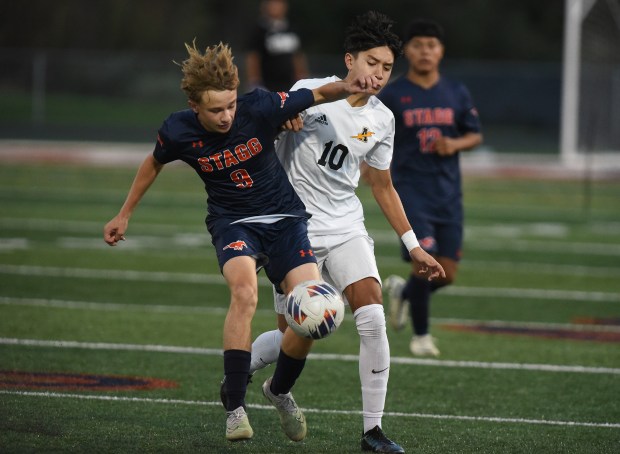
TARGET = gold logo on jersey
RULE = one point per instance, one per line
(364, 135)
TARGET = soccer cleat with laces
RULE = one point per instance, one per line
(237, 425)
(423, 346)
(375, 441)
(292, 419)
(398, 306)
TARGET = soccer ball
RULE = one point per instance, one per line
(314, 309)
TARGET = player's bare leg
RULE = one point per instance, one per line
(240, 274)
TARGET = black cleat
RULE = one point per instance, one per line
(223, 396)
(375, 441)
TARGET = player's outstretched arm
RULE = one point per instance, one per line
(334, 91)
(114, 231)
(380, 182)
(388, 200)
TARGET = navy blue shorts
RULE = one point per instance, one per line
(278, 247)
(438, 239)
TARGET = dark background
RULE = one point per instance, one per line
(103, 69)
(475, 29)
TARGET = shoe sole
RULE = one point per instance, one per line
(425, 353)
(245, 435)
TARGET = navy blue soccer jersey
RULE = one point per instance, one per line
(240, 169)
(422, 115)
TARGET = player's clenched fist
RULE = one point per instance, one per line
(114, 231)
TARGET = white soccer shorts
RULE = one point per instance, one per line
(342, 260)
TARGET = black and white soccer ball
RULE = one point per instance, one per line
(314, 309)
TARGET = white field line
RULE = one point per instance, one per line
(514, 243)
(197, 244)
(478, 237)
(89, 305)
(525, 293)
(312, 356)
(163, 308)
(606, 425)
(198, 278)
(519, 267)
(83, 227)
(124, 275)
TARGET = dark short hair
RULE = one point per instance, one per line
(423, 27)
(369, 30)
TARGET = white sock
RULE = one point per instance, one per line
(374, 362)
(265, 349)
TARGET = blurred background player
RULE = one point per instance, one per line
(275, 60)
(255, 218)
(323, 163)
(435, 121)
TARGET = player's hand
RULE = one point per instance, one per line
(114, 231)
(444, 146)
(364, 84)
(427, 265)
(294, 124)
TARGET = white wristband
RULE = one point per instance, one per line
(410, 240)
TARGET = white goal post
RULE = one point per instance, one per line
(590, 111)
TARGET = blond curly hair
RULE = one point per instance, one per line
(213, 70)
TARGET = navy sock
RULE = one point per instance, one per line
(418, 293)
(287, 371)
(236, 370)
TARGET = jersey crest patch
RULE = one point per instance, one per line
(364, 135)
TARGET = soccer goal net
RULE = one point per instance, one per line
(590, 127)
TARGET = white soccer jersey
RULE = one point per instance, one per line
(323, 160)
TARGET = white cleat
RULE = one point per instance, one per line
(292, 419)
(423, 346)
(399, 308)
(237, 425)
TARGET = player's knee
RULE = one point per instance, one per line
(448, 280)
(364, 293)
(442, 281)
(368, 299)
(244, 296)
(370, 320)
(450, 266)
